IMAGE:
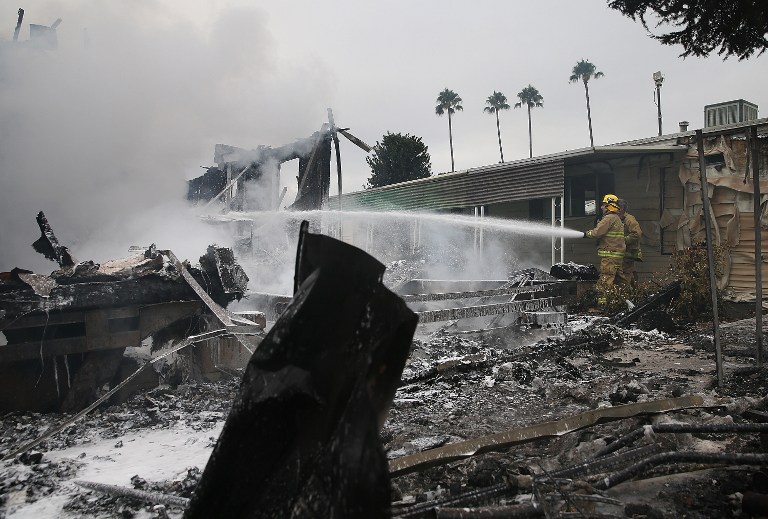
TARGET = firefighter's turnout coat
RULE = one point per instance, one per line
(632, 238)
(610, 236)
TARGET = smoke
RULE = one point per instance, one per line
(434, 246)
(103, 136)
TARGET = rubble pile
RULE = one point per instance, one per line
(454, 389)
(610, 418)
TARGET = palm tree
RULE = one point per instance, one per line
(448, 101)
(584, 70)
(496, 102)
(530, 97)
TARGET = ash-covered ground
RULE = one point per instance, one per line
(453, 389)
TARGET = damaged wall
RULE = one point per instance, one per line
(664, 194)
(732, 202)
(249, 180)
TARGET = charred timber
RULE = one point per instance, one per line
(86, 287)
(680, 457)
(527, 510)
(675, 428)
(48, 245)
(314, 178)
(465, 498)
(83, 296)
(608, 462)
(139, 495)
(659, 299)
(465, 449)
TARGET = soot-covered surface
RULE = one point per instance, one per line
(453, 389)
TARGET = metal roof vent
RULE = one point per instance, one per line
(730, 112)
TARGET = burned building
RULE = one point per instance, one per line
(68, 334)
(249, 180)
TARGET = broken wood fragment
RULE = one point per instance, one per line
(231, 275)
(48, 245)
(680, 457)
(512, 487)
(523, 511)
(662, 297)
(673, 428)
(602, 463)
(145, 496)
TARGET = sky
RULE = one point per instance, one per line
(103, 133)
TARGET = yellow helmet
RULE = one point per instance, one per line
(611, 203)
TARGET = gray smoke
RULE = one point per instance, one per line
(102, 137)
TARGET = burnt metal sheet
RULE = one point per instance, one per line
(484, 293)
(531, 305)
(424, 286)
(302, 439)
(502, 440)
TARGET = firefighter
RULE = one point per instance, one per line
(633, 253)
(611, 246)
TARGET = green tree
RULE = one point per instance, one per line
(497, 101)
(584, 71)
(449, 101)
(398, 158)
(530, 97)
(738, 28)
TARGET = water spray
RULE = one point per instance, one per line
(500, 224)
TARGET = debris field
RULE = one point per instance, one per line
(539, 413)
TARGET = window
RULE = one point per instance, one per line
(583, 193)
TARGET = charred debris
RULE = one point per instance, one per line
(70, 333)
(344, 408)
(230, 183)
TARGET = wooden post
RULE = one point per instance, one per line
(338, 153)
(338, 164)
(758, 245)
(311, 163)
(228, 193)
(18, 25)
(710, 256)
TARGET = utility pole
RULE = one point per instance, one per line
(658, 78)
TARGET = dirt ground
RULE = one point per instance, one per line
(454, 388)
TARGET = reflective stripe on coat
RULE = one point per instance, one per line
(610, 236)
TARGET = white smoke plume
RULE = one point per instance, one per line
(102, 133)
(436, 246)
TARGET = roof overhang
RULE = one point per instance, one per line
(606, 153)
